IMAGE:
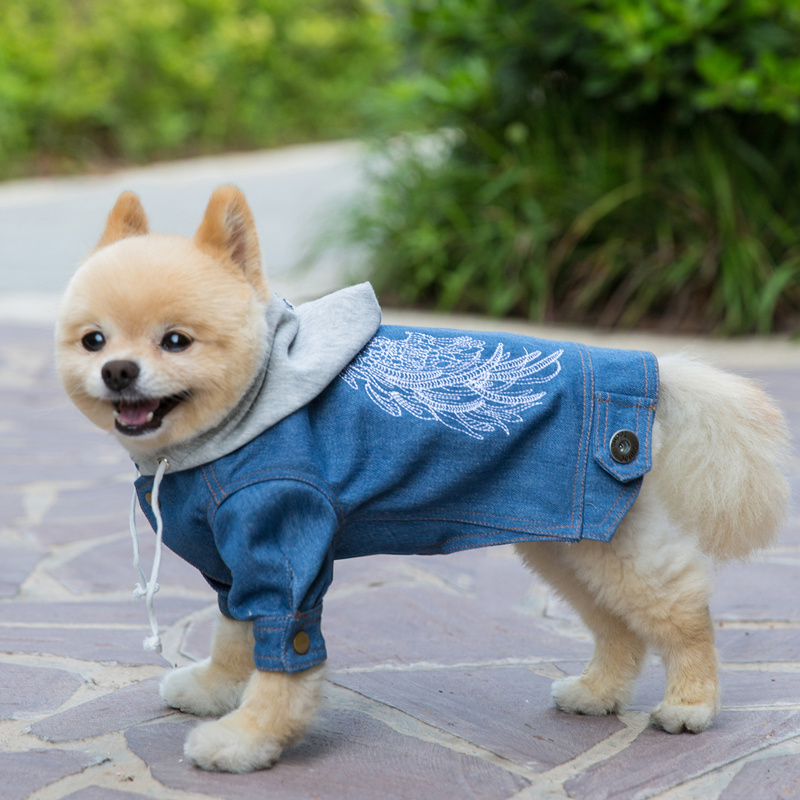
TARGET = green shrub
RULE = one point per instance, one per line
(143, 79)
(617, 162)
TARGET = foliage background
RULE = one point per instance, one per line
(615, 162)
(610, 162)
(88, 81)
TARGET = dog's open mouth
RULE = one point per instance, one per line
(133, 418)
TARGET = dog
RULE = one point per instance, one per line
(316, 428)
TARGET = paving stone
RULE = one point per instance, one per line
(11, 508)
(347, 756)
(87, 513)
(25, 772)
(105, 645)
(757, 646)
(657, 761)
(364, 574)
(757, 591)
(17, 564)
(494, 574)
(105, 498)
(33, 689)
(107, 568)
(740, 688)
(117, 711)
(507, 711)
(747, 689)
(197, 640)
(121, 612)
(103, 793)
(406, 625)
(774, 778)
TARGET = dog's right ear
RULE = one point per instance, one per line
(127, 218)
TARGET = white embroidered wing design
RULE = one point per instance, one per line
(449, 379)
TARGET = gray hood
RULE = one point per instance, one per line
(307, 347)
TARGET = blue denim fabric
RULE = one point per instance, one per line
(432, 441)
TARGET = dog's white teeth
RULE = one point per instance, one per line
(116, 414)
(149, 417)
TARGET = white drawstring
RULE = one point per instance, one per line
(145, 588)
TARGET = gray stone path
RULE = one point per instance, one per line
(440, 667)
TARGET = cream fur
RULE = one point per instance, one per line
(716, 490)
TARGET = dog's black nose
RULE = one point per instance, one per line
(118, 375)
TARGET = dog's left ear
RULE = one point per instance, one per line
(229, 231)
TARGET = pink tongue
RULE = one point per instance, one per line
(135, 414)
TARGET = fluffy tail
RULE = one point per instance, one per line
(720, 454)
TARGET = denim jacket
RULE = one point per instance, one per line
(430, 441)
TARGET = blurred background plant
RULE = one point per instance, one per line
(613, 162)
(606, 162)
(87, 82)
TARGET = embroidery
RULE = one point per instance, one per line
(448, 379)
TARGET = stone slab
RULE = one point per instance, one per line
(107, 568)
(756, 591)
(736, 645)
(507, 711)
(80, 514)
(33, 689)
(775, 778)
(11, 507)
(739, 688)
(25, 772)
(346, 756)
(93, 612)
(117, 711)
(197, 640)
(656, 761)
(89, 644)
(411, 624)
(17, 564)
(103, 793)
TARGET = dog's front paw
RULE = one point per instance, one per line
(675, 718)
(574, 695)
(228, 746)
(202, 689)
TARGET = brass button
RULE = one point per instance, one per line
(624, 446)
(149, 498)
(301, 643)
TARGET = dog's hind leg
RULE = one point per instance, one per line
(607, 683)
(214, 686)
(687, 647)
(653, 578)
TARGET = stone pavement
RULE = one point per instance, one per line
(440, 667)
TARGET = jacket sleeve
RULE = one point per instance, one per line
(276, 537)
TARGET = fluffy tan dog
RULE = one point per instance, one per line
(159, 338)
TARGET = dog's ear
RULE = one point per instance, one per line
(229, 231)
(127, 218)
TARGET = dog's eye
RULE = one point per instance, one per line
(174, 342)
(94, 341)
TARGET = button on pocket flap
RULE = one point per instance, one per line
(623, 435)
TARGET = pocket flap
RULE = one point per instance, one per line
(624, 434)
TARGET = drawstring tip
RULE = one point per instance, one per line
(147, 589)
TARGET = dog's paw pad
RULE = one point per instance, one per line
(573, 695)
(223, 747)
(193, 690)
(680, 718)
